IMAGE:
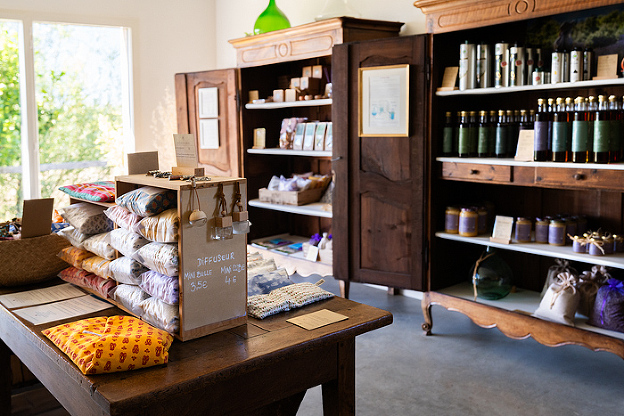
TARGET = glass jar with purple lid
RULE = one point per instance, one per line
(556, 232)
(523, 230)
(541, 230)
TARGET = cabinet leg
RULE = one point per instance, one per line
(394, 291)
(344, 288)
(426, 308)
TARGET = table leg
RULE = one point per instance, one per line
(339, 394)
(6, 379)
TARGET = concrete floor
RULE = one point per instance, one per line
(466, 370)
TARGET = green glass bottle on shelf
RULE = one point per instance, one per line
(272, 18)
(492, 278)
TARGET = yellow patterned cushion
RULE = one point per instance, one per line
(111, 344)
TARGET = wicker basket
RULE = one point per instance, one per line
(31, 260)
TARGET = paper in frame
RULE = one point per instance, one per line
(308, 138)
(208, 102)
(384, 101)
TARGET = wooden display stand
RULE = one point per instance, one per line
(212, 273)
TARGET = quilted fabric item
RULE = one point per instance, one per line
(263, 283)
(162, 228)
(98, 265)
(100, 246)
(111, 344)
(160, 286)
(103, 191)
(160, 257)
(147, 201)
(89, 280)
(285, 298)
(130, 297)
(160, 314)
(74, 256)
(122, 217)
(127, 270)
(87, 218)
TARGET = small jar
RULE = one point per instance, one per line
(594, 245)
(618, 243)
(523, 230)
(578, 244)
(482, 221)
(556, 233)
(607, 245)
(468, 219)
(541, 230)
(451, 220)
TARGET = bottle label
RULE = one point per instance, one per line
(614, 135)
(556, 235)
(484, 141)
(464, 141)
(579, 136)
(560, 136)
(468, 225)
(541, 136)
(500, 147)
(451, 223)
(541, 233)
(474, 134)
(601, 136)
(447, 140)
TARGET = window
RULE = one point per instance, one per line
(69, 124)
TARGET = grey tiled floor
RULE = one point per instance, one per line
(467, 370)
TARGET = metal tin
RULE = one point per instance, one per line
(565, 70)
(529, 58)
(484, 66)
(538, 77)
(556, 67)
(467, 65)
(516, 66)
(501, 64)
(588, 58)
(576, 65)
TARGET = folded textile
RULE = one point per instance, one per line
(285, 298)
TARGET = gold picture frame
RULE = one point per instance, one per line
(384, 101)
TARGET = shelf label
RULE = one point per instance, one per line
(502, 229)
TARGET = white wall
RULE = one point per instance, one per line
(236, 17)
(168, 37)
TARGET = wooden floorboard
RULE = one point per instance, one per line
(35, 400)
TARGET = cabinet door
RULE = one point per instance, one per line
(379, 209)
(207, 106)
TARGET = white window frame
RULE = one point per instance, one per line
(28, 104)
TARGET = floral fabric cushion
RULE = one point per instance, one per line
(86, 218)
(98, 265)
(161, 314)
(89, 280)
(160, 257)
(111, 344)
(74, 256)
(130, 297)
(127, 270)
(122, 217)
(147, 201)
(100, 246)
(162, 228)
(103, 191)
(161, 287)
(285, 298)
(126, 241)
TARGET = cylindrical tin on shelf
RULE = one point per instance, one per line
(484, 66)
(565, 67)
(556, 67)
(576, 65)
(501, 64)
(529, 58)
(588, 58)
(516, 65)
(467, 65)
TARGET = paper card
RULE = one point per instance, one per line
(186, 150)
(449, 79)
(39, 296)
(259, 138)
(209, 134)
(502, 229)
(312, 253)
(607, 67)
(317, 319)
(65, 309)
(37, 217)
(308, 138)
(525, 149)
(208, 99)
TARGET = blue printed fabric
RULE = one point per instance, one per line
(147, 201)
(264, 283)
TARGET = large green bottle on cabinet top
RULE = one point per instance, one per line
(272, 18)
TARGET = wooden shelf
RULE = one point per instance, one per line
(522, 301)
(543, 87)
(513, 162)
(293, 263)
(315, 209)
(561, 252)
(288, 104)
(291, 152)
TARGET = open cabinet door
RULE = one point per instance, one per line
(379, 210)
(207, 107)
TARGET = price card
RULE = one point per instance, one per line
(502, 230)
(525, 148)
(186, 150)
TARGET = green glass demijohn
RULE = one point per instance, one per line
(272, 18)
(493, 277)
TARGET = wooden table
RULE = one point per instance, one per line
(263, 367)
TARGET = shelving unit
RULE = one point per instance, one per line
(290, 152)
(288, 104)
(315, 209)
(531, 88)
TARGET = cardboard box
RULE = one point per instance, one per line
(278, 96)
(310, 85)
(317, 71)
(290, 95)
(306, 71)
(291, 197)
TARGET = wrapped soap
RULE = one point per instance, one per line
(560, 301)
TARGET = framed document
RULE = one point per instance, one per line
(384, 101)
(308, 138)
(319, 136)
(298, 140)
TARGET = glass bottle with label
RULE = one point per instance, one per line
(615, 130)
(492, 120)
(580, 129)
(540, 133)
(601, 131)
(551, 113)
(592, 107)
(463, 147)
(512, 133)
(447, 135)
(500, 147)
(560, 133)
(483, 146)
(474, 133)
